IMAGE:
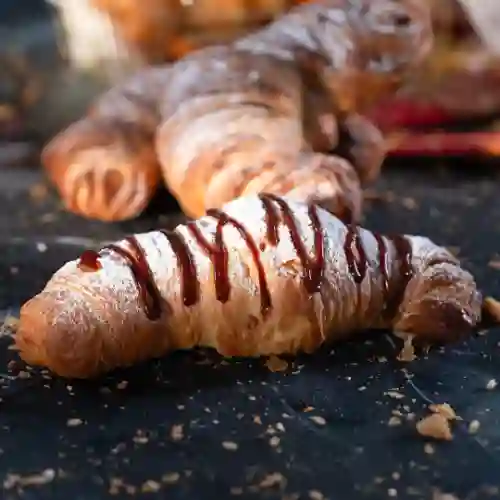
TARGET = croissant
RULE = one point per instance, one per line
(276, 111)
(265, 275)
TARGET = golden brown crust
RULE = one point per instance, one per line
(292, 282)
(103, 170)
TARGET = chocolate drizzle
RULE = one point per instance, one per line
(355, 254)
(189, 281)
(277, 213)
(312, 267)
(357, 263)
(219, 256)
(404, 255)
(383, 264)
(138, 263)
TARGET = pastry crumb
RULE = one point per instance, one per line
(429, 449)
(435, 426)
(41, 247)
(9, 326)
(437, 495)
(492, 307)
(474, 426)
(177, 432)
(230, 445)
(276, 364)
(16, 480)
(395, 394)
(445, 410)
(492, 384)
(274, 479)
(171, 477)
(150, 486)
(318, 419)
(407, 353)
(274, 441)
(316, 495)
(409, 203)
(394, 421)
(74, 422)
(494, 263)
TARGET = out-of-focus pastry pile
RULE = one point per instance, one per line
(460, 81)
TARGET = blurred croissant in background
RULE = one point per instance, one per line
(279, 111)
(167, 29)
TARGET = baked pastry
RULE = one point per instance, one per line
(276, 111)
(263, 276)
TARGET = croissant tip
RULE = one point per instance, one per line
(45, 338)
(439, 321)
(29, 337)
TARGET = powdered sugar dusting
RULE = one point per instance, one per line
(337, 306)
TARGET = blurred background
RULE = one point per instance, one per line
(56, 55)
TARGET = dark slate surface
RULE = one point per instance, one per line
(116, 436)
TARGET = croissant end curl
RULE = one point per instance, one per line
(265, 275)
(259, 115)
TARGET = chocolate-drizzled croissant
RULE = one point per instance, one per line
(265, 275)
(261, 114)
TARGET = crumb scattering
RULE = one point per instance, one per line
(435, 426)
(40, 479)
(395, 394)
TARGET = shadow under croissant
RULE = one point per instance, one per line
(182, 374)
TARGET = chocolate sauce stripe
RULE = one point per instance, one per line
(357, 262)
(277, 212)
(312, 267)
